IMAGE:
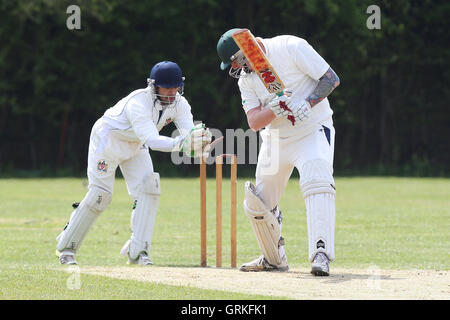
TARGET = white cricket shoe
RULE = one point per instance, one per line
(261, 264)
(321, 265)
(142, 260)
(67, 257)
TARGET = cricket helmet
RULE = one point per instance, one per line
(167, 74)
(226, 47)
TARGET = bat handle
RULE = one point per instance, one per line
(284, 92)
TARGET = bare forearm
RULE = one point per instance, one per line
(326, 85)
(258, 118)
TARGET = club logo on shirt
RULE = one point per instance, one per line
(169, 120)
(102, 166)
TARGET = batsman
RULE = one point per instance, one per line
(296, 131)
(122, 138)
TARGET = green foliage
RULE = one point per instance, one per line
(390, 109)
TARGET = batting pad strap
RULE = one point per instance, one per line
(316, 177)
(265, 226)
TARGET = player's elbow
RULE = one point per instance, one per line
(253, 124)
(337, 82)
(256, 119)
(335, 78)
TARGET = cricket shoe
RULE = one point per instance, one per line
(261, 264)
(67, 257)
(321, 265)
(142, 260)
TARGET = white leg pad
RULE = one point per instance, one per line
(144, 216)
(317, 185)
(82, 218)
(266, 227)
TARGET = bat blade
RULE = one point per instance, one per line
(258, 61)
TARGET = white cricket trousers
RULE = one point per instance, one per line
(276, 160)
(312, 155)
(107, 152)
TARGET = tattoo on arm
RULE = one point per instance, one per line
(326, 85)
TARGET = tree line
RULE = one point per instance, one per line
(390, 111)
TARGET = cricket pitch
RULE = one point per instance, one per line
(298, 284)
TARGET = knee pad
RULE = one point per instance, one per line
(150, 184)
(316, 176)
(97, 199)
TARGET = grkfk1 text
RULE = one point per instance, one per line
(231, 309)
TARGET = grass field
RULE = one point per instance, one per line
(382, 223)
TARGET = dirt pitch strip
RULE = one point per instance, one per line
(298, 284)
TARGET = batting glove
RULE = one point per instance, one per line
(301, 109)
(278, 106)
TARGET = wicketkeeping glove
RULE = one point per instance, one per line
(195, 143)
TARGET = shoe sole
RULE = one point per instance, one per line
(138, 264)
(284, 269)
(320, 273)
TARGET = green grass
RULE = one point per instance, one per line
(392, 223)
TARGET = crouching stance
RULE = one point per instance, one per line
(122, 138)
(297, 132)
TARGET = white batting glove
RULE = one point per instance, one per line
(278, 106)
(301, 109)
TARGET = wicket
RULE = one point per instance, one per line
(233, 179)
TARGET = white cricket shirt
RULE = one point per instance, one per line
(138, 118)
(299, 66)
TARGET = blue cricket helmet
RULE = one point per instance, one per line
(167, 74)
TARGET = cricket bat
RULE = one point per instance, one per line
(259, 63)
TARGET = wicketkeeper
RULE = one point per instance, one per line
(122, 138)
(298, 133)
